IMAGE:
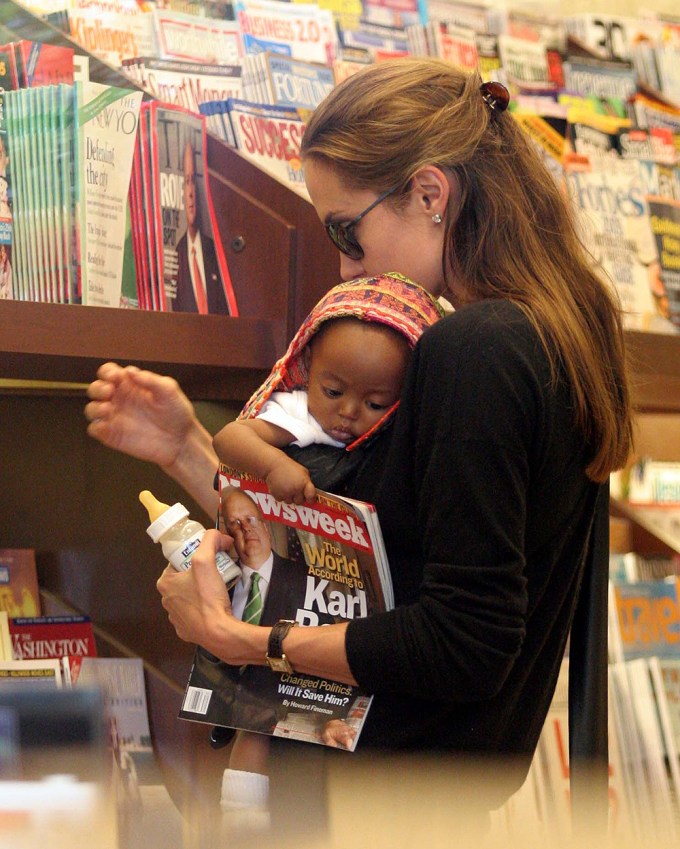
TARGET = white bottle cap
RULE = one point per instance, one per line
(166, 520)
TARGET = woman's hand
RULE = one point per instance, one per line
(197, 601)
(139, 413)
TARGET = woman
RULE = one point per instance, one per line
(515, 409)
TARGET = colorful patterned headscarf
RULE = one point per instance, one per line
(389, 299)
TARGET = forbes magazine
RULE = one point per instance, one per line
(322, 563)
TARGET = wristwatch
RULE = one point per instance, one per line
(275, 657)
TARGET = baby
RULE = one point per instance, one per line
(337, 384)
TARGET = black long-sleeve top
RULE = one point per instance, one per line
(485, 507)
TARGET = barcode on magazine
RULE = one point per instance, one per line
(197, 700)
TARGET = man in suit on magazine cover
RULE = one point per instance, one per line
(199, 281)
(272, 588)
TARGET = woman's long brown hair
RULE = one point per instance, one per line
(513, 236)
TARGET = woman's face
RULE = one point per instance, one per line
(406, 241)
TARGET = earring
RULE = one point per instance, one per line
(436, 218)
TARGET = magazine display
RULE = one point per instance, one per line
(19, 593)
(189, 256)
(190, 38)
(613, 210)
(31, 673)
(6, 652)
(41, 126)
(36, 638)
(303, 30)
(108, 118)
(186, 84)
(270, 136)
(292, 82)
(329, 556)
(644, 619)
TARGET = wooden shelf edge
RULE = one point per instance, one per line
(655, 366)
(213, 357)
(622, 509)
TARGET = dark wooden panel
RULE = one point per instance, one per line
(655, 363)
(76, 503)
(315, 264)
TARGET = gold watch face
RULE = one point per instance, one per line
(279, 664)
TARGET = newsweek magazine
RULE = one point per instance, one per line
(328, 565)
(188, 242)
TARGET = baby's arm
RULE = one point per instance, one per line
(254, 446)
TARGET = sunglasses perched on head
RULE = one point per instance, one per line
(342, 235)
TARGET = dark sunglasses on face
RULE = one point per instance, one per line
(342, 235)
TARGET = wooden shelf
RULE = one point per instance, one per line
(655, 364)
(212, 357)
(655, 530)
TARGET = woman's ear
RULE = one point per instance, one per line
(432, 187)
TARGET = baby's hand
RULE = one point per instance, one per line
(289, 481)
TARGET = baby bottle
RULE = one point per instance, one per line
(180, 536)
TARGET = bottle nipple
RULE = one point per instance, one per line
(154, 507)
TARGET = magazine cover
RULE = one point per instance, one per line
(8, 69)
(305, 29)
(193, 265)
(664, 215)
(614, 215)
(31, 673)
(190, 38)
(43, 64)
(323, 563)
(292, 82)
(644, 619)
(187, 84)
(19, 593)
(270, 136)
(122, 682)
(6, 652)
(69, 174)
(6, 283)
(34, 638)
(42, 106)
(155, 290)
(138, 248)
(52, 205)
(15, 143)
(112, 36)
(37, 236)
(107, 129)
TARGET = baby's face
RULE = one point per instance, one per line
(355, 376)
